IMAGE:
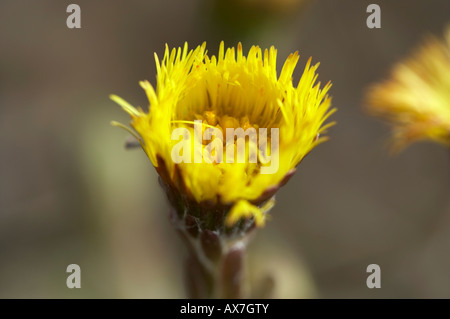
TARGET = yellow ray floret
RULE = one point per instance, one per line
(243, 209)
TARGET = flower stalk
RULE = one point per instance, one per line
(215, 265)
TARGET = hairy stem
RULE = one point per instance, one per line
(215, 264)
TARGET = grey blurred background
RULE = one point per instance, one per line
(71, 193)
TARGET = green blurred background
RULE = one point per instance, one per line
(70, 192)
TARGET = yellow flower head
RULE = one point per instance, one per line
(416, 99)
(229, 91)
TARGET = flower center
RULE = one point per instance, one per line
(231, 139)
(224, 122)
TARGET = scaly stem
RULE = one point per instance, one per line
(215, 264)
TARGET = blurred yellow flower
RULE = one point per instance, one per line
(416, 99)
(230, 90)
